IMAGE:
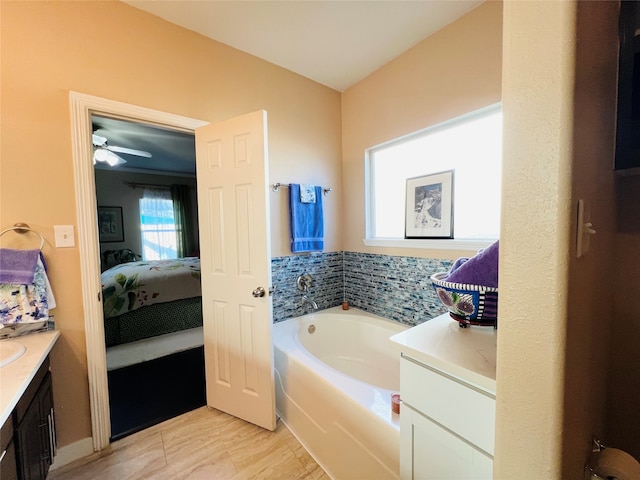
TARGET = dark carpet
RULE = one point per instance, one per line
(148, 393)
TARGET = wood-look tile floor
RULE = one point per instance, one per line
(202, 444)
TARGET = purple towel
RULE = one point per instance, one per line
(458, 263)
(481, 269)
(18, 266)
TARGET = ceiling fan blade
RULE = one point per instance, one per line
(130, 151)
(98, 140)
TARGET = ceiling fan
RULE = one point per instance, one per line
(107, 154)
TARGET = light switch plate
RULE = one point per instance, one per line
(64, 235)
(584, 229)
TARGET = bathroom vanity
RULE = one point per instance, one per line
(26, 410)
(447, 386)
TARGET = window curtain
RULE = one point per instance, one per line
(158, 231)
(185, 220)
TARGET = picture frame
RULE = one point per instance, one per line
(429, 206)
(110, 224)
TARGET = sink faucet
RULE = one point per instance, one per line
(307, 300)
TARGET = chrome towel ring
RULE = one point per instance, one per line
(24, 228)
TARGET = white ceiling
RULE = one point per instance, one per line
(334, 42)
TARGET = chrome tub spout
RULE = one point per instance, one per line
(306, 300)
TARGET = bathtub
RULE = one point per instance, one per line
(333, 390)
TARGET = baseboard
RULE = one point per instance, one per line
(72, 452)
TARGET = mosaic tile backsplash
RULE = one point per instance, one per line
(327, 288)
(397, 288)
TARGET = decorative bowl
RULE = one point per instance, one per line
(468, 304)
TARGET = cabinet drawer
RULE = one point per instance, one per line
(459, 407)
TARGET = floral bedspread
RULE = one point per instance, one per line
(134, 285)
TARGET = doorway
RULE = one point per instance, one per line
(82, 108)
(145, 178)
(232, 159)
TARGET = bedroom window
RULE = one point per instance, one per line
(159, 240)
(470, 144)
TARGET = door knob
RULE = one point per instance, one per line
(258, 292)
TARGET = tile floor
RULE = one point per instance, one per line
(202, 444)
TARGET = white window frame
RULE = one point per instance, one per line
(432, 244)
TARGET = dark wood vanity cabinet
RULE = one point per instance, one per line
(628, 112)
(8, 465)
(34, 428)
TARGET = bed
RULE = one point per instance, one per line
(145, 299)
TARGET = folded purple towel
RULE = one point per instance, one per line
(457, 264)
(482, 269)
(18, 266)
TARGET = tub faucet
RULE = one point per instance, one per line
(306, 300)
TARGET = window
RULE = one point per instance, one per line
(158, 226)
(472, 145)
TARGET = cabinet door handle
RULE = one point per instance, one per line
(54, 437)
(52, 448)
(4, 452)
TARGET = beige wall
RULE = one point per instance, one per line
(559, 76)
(111, 50)
(453, 72)
(536, 204)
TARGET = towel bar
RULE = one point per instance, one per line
(276, 187)
(23, 228)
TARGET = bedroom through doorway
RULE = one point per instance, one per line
(145, 179)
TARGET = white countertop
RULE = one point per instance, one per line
(466, 353)
(16, 376)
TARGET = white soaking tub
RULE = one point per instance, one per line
(335, 373)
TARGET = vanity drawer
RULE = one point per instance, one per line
(457, 406)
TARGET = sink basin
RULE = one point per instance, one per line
(10, 351)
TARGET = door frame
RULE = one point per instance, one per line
(82, 107)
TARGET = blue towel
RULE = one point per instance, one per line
(307, 226)
(18, 267)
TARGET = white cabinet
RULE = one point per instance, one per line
(429, 451)
(446, 425)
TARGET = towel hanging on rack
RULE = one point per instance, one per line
(25, 291)
(18, 266)
(306, 221)
(307, 193)
(26, 302)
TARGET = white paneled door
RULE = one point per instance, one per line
(231, 159)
